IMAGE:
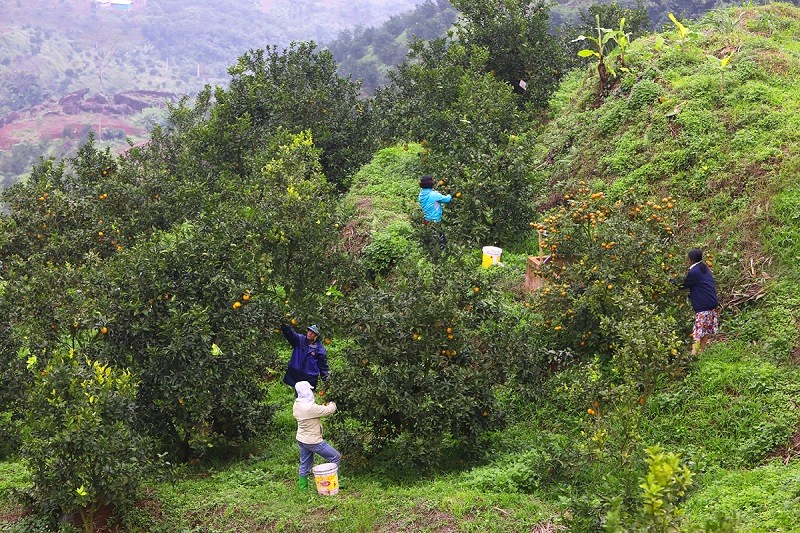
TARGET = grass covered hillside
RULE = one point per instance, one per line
(140, 297)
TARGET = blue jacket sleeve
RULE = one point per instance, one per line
(290, 334)
(439, 197)
(322, 364)
(692, 279)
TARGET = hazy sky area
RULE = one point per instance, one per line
(169, 40)
(68, 67)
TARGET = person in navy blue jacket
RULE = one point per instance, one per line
(703, 295)
(309, 358)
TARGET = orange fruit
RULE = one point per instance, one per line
(327, 341)
(449, 330)
(293, 321)
(590, 411)
(476, 289)
(458, 195)
(485, 413)
(104, 330)
(236, 305)
(245, 297)
(321, 393)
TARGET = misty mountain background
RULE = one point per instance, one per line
(69, 68)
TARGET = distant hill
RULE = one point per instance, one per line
(51, 49)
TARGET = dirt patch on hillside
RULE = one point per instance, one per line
(12, 514)
(790, 451)
(71, 118)
(51, 127)
(427, 519)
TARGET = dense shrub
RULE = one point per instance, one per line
(608, 257)
(426, 357)
(81, 448)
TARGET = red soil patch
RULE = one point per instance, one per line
(53, 126)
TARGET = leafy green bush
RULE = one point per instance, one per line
(81, 446)
(420, 375)
(388, 247)
(643, 94)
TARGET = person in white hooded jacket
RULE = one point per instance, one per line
(309, 431)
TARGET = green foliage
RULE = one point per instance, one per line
(737, 405)
(384, 191)
(759, 499)
(515, 35)
(608, 258)
(200, 242)
(645, 93)
(664, 486)
(427, 355)
(366, 53)
(388, 247)
(480, 156)
(81, 446)
(296, 90)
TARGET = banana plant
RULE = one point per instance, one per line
(723, 65)
(605, 58)
(683, 31)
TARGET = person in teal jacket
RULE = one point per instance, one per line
(431, 203)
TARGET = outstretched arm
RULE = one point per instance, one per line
(291, 335)
(439, 197)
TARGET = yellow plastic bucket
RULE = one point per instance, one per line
(326, 478)
(491, 256)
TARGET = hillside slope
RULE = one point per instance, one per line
(701, 126)
(711, 119)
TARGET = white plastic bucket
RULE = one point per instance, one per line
(326, 478)
(491, 256)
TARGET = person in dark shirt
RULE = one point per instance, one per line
(703, 295)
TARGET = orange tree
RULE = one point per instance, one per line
(517, 35)
(466, 121)
(109, 247)
(608, 304)
(295, 89)
(429, 346)
(82, 448)
(607, 257)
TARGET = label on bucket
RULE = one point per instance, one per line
(491, 256)
(327, 485)
(326, 479)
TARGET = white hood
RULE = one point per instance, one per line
(304, 392)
